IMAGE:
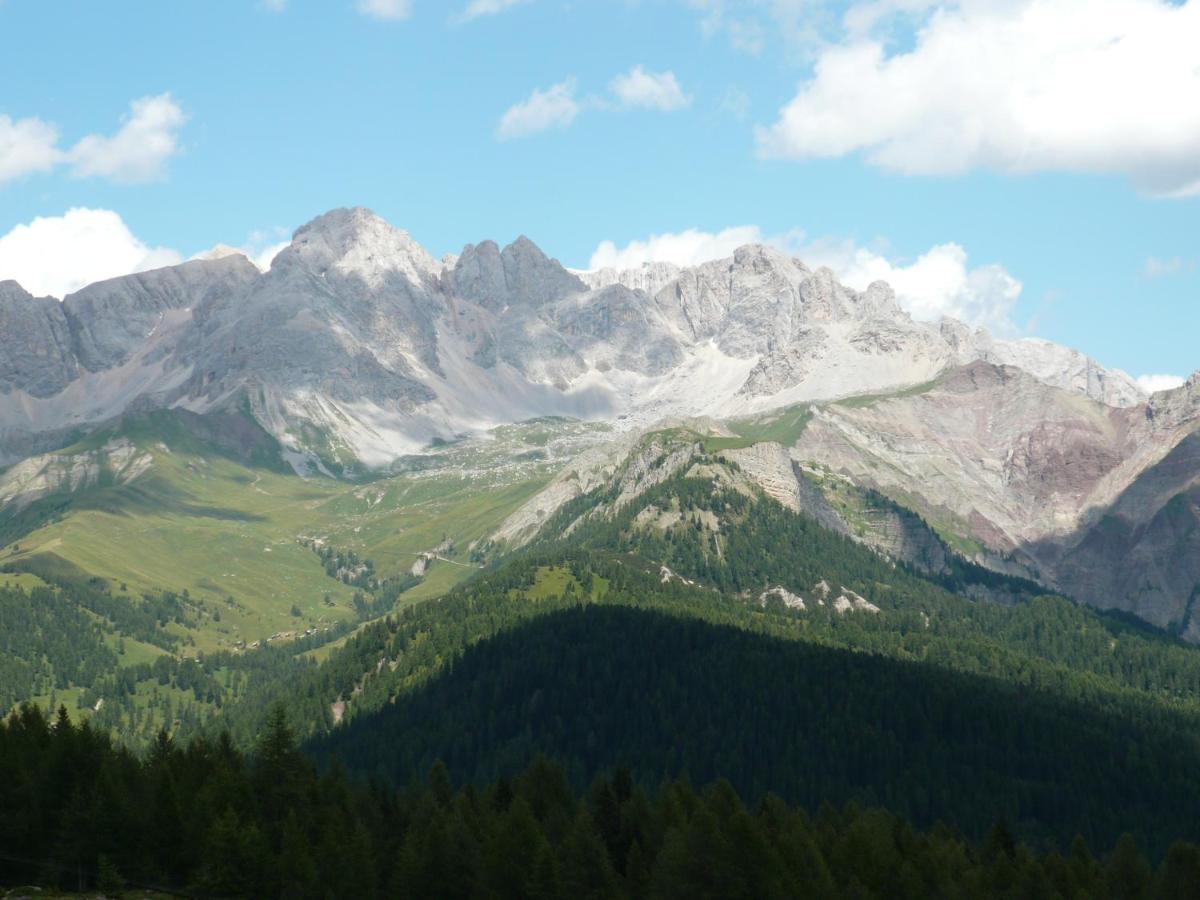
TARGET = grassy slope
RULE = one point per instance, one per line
(220, 528)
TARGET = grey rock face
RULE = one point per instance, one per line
(35, 343)
(534, 278)
(111, 320)
(747, 304)
(620, 329)
(649, 278)
(1143, 554)
(347, 326)
(521, 274)
(478, 276)
(40, 476)
(789, 365)
(1058, 366)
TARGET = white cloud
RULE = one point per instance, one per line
(1153, 383)
(938, 283)
(386, 10)
(266, 255)
(1102, 86)
(1160, 268)
(56, 255)
(263, 246)
(639, 89)
(138, 152)
(27, 146)
(555, 107)
(684, 248)
(275, 5)
(478, 8)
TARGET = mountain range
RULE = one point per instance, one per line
(358, 353)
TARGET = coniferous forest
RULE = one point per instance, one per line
(203, 819)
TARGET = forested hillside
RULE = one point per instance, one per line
(594, 686)
(204, 819)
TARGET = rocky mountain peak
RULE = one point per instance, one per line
(356, 242)
(520, 274)
(878, 301)
(220, 251)
(11, 292)
(534, 277)
(764, 257)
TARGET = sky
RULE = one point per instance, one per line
(1029, 166)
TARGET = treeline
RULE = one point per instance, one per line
(47, 643)
(71, 633)
(760, 543)
(78, 813)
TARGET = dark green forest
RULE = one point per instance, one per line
(593, 686)
(205, 820)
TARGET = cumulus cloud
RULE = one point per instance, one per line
(55, 255)
(27, 146)
(684, 248)
(639, 89)
(1152, 383)
(555, 107)
(386, 10)
(139, 151)
(263, 255)
(479, 8)
(940, 282)
(1103, 86)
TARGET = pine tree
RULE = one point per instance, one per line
(586, 871)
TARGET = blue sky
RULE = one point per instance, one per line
(1034, 169)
